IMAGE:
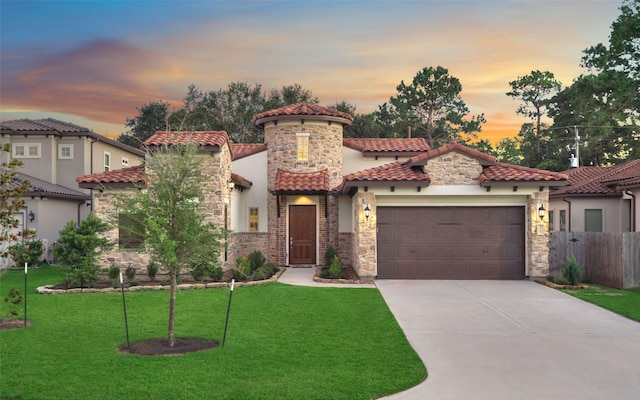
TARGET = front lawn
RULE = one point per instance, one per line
(624, 302)
(283, 342)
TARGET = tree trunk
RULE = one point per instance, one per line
(172, 308)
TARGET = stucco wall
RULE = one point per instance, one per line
(615, 213)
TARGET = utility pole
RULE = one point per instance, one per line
(576, 139)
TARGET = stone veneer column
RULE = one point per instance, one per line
(364, 250)
(537, 236)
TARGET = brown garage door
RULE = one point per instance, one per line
(450, 242)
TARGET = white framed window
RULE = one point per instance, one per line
(107, 161)
(65, 151)
(303, 146)
(125, 161)
(254, 217)
(26, 150)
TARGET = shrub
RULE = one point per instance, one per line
(28, 252)
(335, 269)
(114, 274)
(130, 272)
(216, 273)
(242, 269)
(329, 255)
(152, 270)
(571, 271)
(256, 260)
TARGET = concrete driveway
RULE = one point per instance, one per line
(513, 340)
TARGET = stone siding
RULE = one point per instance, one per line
(453, 169)
(241, 244)
(364, 249)
(537, 236)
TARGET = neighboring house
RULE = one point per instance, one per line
(54, 153)
(392, 208)
(598, 199)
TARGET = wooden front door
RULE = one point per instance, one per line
(302, 235)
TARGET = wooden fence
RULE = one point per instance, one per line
(610, 259)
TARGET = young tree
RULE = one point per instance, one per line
(535, 92)
(170, 216)
(433, 107)
(11, 201)
(78, 248)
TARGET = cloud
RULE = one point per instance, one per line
(101, 79)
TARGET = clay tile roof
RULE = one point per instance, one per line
(48, 124)
(393, 173)
(40, 188)
(303, 109)
(240, 181)
(485, 159)
(125, 177)
(601, 181)
(387, 145)
(302, 183)
(211, 139)
(241, 150)
(500, 172)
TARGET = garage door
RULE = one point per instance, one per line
(450, 242)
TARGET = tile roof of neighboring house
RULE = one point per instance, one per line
(395, 173)
(212, 140)
(23, 126)
(601, 181)
(301, 183)
(125, 177)
(40, 188)
(387, 145)
(296, 111)
(500, 172)
(241, 150)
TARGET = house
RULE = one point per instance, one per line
(54, 153)
(598, 199)
(391, 207)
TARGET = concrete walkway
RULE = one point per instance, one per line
(304, 277)
(513, 340)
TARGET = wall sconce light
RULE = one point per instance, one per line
(541, 211)
(231, 185)
(367, 211)
(32, 216)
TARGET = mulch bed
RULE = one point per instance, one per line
(160, 347)
(10, 323)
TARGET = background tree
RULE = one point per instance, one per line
(508, 151)
(534, 91)
(152, 117)
(433, 107)
(171, 218)
(78, 248)
(11, 201)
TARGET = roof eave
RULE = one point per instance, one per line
(260, 122)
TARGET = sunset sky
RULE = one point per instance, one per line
(94, 62)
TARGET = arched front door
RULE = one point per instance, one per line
(302, 234)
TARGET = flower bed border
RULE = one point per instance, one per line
(49, 289)
(316, 278)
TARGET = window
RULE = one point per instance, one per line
(26, 150)
(65, 151)
(107, 161)
(563, 220)
(130, 232)
(125, 161)
(550, 220)
(593, 220)
(253, 219)
(303, 146)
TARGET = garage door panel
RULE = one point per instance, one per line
(451, 243)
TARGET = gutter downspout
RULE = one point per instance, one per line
(569, 216)
(633, 209)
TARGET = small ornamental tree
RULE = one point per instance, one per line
(11, 201)
(170, 217)
(78, 248)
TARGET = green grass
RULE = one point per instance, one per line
(625, 302)
(283, 342)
